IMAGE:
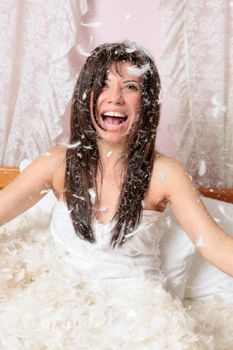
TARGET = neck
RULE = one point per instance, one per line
(110, 155)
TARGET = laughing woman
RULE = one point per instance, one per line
(108, 183)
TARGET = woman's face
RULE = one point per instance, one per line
(118, 104)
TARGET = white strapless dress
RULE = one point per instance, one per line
(125, 304)
(138, 256)
(64, 293)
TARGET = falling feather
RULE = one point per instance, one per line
(92, 195)
(128, 16)
(202, 168)
(138, 71)
(82, 51)
(91, 24)
(200, 242)
(108, 154)
(71, 145)
(83, 6)
(218, 108)
(162, 176)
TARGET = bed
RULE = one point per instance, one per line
(27, 255)
(7, 174)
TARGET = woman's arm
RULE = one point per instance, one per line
(30, 186)
(175, 185)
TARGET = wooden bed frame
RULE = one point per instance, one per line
(8, 174)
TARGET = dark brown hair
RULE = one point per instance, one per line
(82, 157)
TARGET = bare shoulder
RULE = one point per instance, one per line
(57, 164)
(172, 178)
(49, 163)
(167, 176)
(57, 152)
(167, 166)
(56, 156)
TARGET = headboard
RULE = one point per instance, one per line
(8, 174)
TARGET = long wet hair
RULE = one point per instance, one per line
(82, 157)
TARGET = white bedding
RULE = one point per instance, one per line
(40, 296)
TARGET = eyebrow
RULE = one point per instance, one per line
(127, 81)
(132, 81)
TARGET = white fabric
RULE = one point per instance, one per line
(188, 275)
(177, 250)
(198, 85)
(46, 303)
(205, 280)
(139, 255)
(36, 75)
(177, 254)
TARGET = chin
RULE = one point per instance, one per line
(113, 139)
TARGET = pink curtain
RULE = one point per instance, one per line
(36, 76)
(198, 85)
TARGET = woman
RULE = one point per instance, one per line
(108, 182)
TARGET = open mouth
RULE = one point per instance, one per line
(113, 119)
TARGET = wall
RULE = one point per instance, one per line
(136, 20)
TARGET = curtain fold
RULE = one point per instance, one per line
(197, 39)
(36, 76)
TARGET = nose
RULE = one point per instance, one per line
(115, 96)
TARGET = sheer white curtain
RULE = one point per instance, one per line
(198, 85)
(36, 79)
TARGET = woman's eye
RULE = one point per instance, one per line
(132, 87)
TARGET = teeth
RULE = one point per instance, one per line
(113, 114)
